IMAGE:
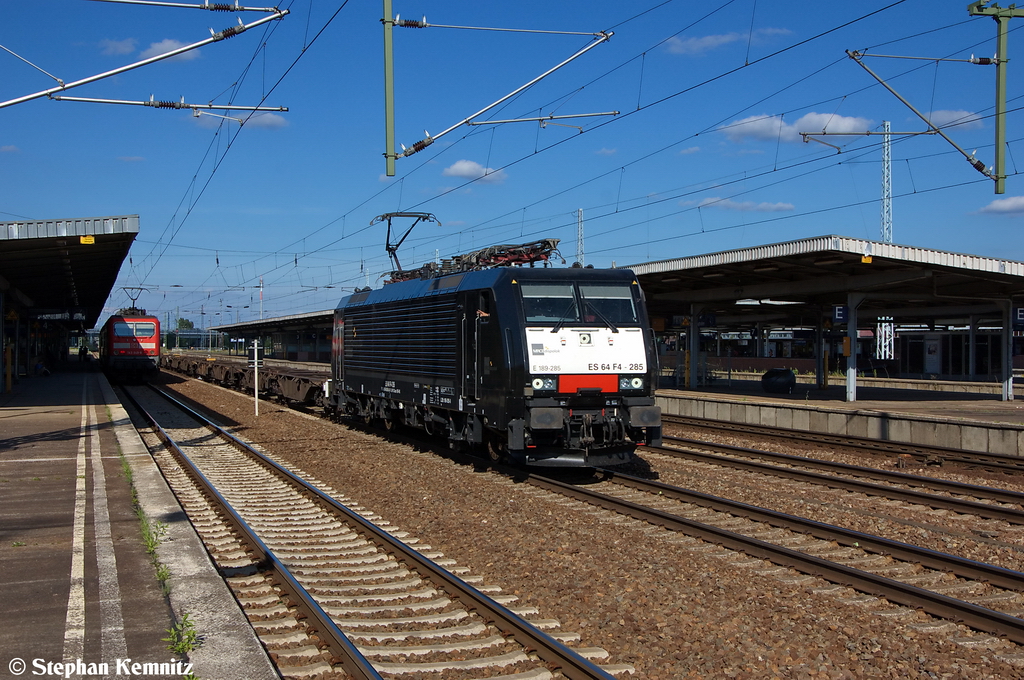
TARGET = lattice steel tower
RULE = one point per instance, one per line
(579, 236)
(885, 331)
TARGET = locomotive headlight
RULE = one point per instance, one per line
(545, 383)
(626, 383)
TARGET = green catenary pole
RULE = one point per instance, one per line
(389, 90)
(1002, 18)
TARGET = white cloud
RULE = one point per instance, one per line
(745, 206)
(9, 148)
(115, 47)
(761, 33)
(473, 170)
(1005, 206)
(700, 45)
(962, 120)
(266, 121)
(169, 45)
(688, 151)
(772, 128)
(606, 152)
(707, 43)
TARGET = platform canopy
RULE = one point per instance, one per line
(292, 322)
(797, 281)
(829, 280)
(63, 269)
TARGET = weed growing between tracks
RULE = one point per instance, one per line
(181, 636)
(153, 533)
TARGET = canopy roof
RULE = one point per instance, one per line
(800, 279)
(64, 269)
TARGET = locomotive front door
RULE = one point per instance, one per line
(475, 325)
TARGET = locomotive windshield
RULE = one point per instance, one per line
(134, 329)
(549, 303)
(613, 303)
(584, 303)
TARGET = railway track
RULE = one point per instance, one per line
(931, 455)
(331, 588)
(968, 499)
(897, 579)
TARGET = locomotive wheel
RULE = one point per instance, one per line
(496, 450)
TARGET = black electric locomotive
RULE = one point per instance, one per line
(544, 366)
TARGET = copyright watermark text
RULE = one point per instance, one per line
(78, 668)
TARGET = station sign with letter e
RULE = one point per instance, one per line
(1018, 318)
(840, 313)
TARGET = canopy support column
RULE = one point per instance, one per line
(853, 301)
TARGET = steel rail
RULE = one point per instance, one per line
(985, 510)
(975, 616)
(342, 649)
(547, 648)
(995, 461)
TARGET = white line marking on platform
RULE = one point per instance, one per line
(111, 617)
(74, 626)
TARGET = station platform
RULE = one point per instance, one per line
(959, 416)
(79, 584)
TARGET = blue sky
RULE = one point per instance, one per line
(705, 154)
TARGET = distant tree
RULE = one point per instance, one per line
(185, 324)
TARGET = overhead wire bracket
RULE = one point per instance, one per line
(978, 165)
(216, 37)
(207, 5)
(389, 22)
(543, 119)
(428, 140)
(167, 104)
(813, 136)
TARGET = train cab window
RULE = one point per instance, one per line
(129, 329)
(613, 302)
(549, 303)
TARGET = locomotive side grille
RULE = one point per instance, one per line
(415, 337)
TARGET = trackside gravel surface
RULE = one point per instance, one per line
(640, 592)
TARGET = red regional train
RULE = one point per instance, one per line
(130, 344)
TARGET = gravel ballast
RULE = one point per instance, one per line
(638, 591)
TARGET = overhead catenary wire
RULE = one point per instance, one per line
(367, 200)
(216, 37)
(460, 186)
